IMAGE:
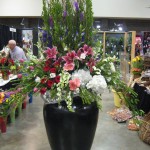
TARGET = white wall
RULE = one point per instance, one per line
(20, 8)
(101, 8)
(121, 8)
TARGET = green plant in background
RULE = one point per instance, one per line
(113, 79)
(97, 39)
(114, 45)
(10, 104)
(137, 65)
(68, 24)
(129, 43)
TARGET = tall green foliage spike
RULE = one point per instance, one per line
(68, 22)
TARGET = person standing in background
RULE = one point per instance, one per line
(16, 53)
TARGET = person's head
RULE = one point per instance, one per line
(12, 44)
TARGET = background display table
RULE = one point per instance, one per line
(7, 84)
(15, 105)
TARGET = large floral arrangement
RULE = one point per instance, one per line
(64, 77)
(68, 64)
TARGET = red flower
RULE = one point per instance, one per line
(48, 62)
(53, 70)
(51, 53)
(91, 64)
(50, 83)
(43, 90)
(57, 79)
(43, 81)
(3, 61)
(46, 68)
(56, 64)
(11, 61)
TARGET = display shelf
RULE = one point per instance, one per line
(120, 44)
(14, 112)
(146, 40)
(4, 82)
(114, 43)
(130, 44)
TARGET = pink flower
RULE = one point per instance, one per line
(51, 53)
(19, 89)
(91, 64)
(21, 60)
(90, 51)
(35, 90)
(31, 68)
(57, 62)
(74, 84)
(86, 50)
(70, 57)
(19, 76)
(69, 67)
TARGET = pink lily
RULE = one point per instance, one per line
(70, 57)
(51, 53)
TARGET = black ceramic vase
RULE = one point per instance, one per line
(71, 130)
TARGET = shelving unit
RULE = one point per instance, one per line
(146, 40)
(117, 42)
(120, 44)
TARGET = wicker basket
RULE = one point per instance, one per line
(144, 132)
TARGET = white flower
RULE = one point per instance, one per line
(83, 75)
(112, 67)
(102, 68)
(65, 49)
(38, 79)
(97, 84)
(108, 79)
(83, 55)
(97, 71)
(52, 75)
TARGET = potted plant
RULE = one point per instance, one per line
(4, 68)
(15, 66)
(137, 66)
(68, 75)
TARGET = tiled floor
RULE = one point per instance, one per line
(28, 132)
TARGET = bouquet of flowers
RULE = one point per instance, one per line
(137, 65)
(66, 76)
(68, 64)
(9, 101)
(15, 66)
(4, 68)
